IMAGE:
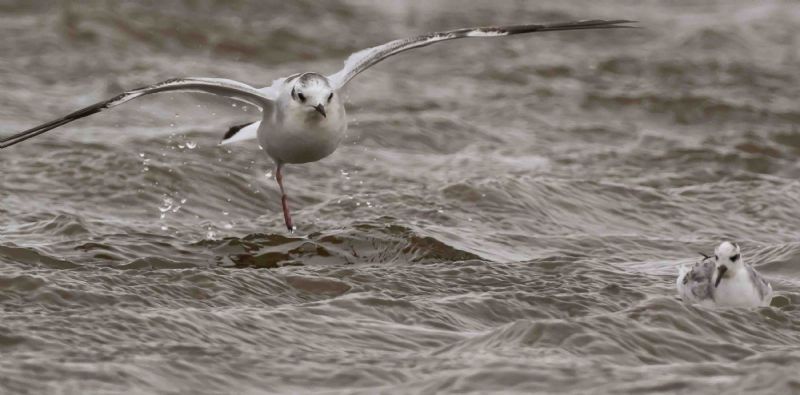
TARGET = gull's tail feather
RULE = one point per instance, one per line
(245, 131)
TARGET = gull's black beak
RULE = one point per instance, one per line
(720, 272)
(321, 109)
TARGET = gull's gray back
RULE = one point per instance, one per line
(697, 284)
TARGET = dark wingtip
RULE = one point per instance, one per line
(589, 24)
(235, 129)
(704, 255)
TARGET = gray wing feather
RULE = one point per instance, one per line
(697, 284)
(367, 58)
(217, 86)
(761, 285)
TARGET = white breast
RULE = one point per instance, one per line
(301, 136)
(737, 291)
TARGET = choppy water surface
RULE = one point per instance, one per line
(505, 215)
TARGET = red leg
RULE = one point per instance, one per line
(287, 217)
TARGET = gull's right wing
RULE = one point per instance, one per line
(369, 57)
(695, 283)
(217, 86)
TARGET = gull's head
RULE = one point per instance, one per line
(312, 92)
(728, 260)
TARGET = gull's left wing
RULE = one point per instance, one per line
(242, 132)
(217, 86)
(367, 58)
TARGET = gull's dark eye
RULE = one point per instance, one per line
(735, 258)
(302, 97)
(330, 97)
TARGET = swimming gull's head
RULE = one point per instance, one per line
(728, 261)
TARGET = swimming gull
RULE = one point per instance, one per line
(723, 280)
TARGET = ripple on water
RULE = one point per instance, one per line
(362, 243)
(485, 227)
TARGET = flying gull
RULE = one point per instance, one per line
(723, 280)
(303, 116)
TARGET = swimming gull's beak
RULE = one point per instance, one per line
(321, 109)
(720, 272)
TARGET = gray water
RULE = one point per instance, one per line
(505, 214)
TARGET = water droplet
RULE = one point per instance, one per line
(181, 146)
(268, 174)
(163, 227)
(228, 225)
(191, 144)
(233, 104)
(183, 200)
(166, 204)
(141, 154)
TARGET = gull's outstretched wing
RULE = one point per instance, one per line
(367, 58)
(217, 86)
